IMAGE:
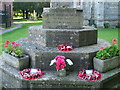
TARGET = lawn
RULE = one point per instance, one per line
(16, 34)
(106, 34)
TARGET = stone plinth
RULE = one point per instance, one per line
(62, 18)
(55, 37)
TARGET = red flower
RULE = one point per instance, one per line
(114, 40)
(17, 44)
(6, 45)
(13, 42)
(7, 42)
(13, 47)
(102, 48)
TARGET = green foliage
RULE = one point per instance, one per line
(9, 49)
(18, 52)
(27, 7)
(106, 25)
(102, 54)
(108, 52)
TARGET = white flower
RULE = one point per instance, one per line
(69, 62)
(52, 62)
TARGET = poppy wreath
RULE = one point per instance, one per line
(25, 73)
(95, 75)
(65, 48)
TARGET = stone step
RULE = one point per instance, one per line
(11, 79)
(54, 37)
(41, 56)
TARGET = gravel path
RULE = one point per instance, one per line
(11, 29)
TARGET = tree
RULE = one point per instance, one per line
(27, 7)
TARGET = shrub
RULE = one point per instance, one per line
(118, 25)
(106, 25)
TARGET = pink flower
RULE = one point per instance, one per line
(7, 42)
(6, 45)
(102, 48)
(57, 63)
(57, 67)
(62, 66)
(114, 40)
(62, 61)
(62, 57)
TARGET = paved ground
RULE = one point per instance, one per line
(19, 25)
(11, 29)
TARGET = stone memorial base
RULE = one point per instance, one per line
(41, 56)
(11, 79)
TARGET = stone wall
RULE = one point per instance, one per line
(100, 13)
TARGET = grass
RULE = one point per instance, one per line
(16, 34)
(108, 34)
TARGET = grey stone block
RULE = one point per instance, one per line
(55, 37)
(70, 18)
(106, 65)
(18, 63)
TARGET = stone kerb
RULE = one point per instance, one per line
(55, 37)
